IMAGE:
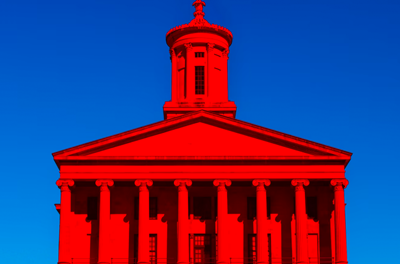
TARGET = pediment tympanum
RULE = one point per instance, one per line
(201, 135)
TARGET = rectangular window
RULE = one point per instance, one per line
(252, 248)
(136, 208)
(153, 248)
(202, 248)
(202, 208)
(311, 207)
(199, 80)
(199, 54)
(252, 208)
(269, 207)
(92, 208)
(153, 208)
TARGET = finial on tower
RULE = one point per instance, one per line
(198, 4)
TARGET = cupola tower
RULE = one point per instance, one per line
(199, 56)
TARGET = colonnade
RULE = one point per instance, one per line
(222, 226)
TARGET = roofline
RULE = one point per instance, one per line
(188, 116)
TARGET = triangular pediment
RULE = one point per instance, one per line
(199, 139)
(201, 134)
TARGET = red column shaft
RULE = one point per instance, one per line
(190, 81)
(340, 224)
(64, 252)
(222, 223)
(174, 87)
(224, 92)
(183, 222)
(143, 237)
(301, 221)
(210, 67)
(104, 222)
(262, 228)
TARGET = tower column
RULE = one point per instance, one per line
(144, 223)
(183, 221)
(174, 94)
(262, 228)
(104, 221)
(301, 221)
(222, 225)
(225, 54)
(210, 67)
(340, 221)
(189, 71)
(64, 251)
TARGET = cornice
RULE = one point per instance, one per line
(193, 116)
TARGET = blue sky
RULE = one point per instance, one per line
(76, 71)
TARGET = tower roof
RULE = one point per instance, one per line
(198, 24)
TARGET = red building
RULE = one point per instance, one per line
(202, 186)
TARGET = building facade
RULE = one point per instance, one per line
(201, 186)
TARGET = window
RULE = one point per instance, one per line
(252, 207)
(252, 248)
(153, 208)
(92, 208)
(199, 54)
(202, 248)
(199, 80)
(202, 208)
(153, 248)
(311, 207)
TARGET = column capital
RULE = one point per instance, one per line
(185, 182)
(188, 46)
(65, 184)
(144, 182)
(210, 46)
(340, 182)
(104, 183)
(222, 182)
(264, 182)
(300, 182)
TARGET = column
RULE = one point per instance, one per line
(190, 78)
(225, 75)
(222, 224)
(64, 251)
(174, 86)
(144, 223)
(183, 221)
(210, 68)
(301, 221)
(340, 221)
(104, 221)
(262, 228)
